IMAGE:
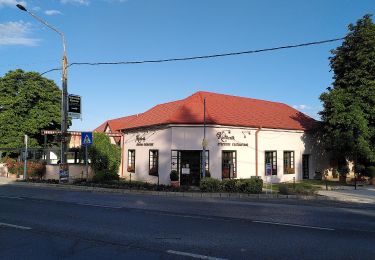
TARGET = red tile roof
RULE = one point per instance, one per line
(222, 110)
(115, 125)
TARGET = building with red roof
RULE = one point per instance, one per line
(244, 137)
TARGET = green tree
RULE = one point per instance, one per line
(105, 158)
(28, 104)
(348, 116)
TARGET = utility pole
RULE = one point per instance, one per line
(25, 159)
(204, 142)
(64, 95)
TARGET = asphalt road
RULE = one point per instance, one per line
(40, 223)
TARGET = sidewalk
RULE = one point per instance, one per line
(364, 194)
(5, 180)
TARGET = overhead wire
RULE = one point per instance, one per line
(199, 57)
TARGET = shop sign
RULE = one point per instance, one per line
(141, 141)
(225, 138)
(74, 106)
(185, 170)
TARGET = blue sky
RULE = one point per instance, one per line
(124, 30)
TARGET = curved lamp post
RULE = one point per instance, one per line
(64, 97)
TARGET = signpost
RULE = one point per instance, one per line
(64, 172)
(86, 141)
(74, 106)
(269, 173)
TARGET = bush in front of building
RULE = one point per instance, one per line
(105, 158)
(229, 185)
(105, 176)
(252, 186)
(209, 184)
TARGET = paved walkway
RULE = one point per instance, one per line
(365, 194)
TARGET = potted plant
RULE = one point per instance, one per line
(174, 176)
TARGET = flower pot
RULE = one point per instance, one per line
(175, 184)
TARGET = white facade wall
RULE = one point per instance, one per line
(242, 140)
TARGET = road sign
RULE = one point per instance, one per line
(74, 106)
(86, 138)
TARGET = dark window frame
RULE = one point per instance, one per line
(153, 162)
(234, 163)
(131, 161)
(273, 161)
(289, 166)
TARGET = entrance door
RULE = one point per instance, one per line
(305, 166)
(190, 167)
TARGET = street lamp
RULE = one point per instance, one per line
(64, 96)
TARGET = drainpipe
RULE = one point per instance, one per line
(122, 154)
(256, 150)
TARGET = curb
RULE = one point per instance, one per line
(170, 193)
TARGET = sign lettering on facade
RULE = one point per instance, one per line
(225, 138)
(141, 141)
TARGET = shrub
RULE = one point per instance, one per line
(370, 171)
(284, 189)
(174, 175)
(343, 170)
(253, 185)
(209, 184)
(102, 176)
(229, 185)
(105, 157)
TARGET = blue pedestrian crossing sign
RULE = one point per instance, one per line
(86, 138)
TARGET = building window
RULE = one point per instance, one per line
(229, 164)
(289, 162)
(153, 159)
(131, 160)
(271, 157)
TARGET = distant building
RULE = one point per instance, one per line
(244, 138)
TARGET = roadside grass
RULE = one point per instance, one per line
(305, 187)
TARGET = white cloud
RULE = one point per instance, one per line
(302, 107)
(52, 12)
(16, 33)
(77, 2)
(11, 3)
(87, 2)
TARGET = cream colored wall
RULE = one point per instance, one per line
(190, 138)
(161, 140)
(75, 172)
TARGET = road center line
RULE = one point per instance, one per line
(99, 206)
(14, 226)
(292, 225)
(193, 255)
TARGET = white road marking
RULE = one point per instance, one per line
(187, 216)
(292, 225)
(194, 255)
(11, 197)
(99, 206)
(14, 226)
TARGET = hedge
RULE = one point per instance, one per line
(253, 185)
